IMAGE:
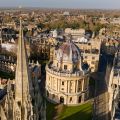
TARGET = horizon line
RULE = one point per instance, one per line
(23, 7)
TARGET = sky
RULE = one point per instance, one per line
(98, 4)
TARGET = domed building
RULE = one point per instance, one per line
(67, 77)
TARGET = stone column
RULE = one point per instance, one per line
(69, 86)
(76, 86)
(51, 82)
(83, 97)
(83, 88)
(59, 84)
(47, 80)
(83, 84)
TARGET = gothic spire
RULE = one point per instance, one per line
(22, 79)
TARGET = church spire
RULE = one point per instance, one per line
(22, 79)
(27, 101)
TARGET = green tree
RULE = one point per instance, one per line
(40, 26)
(75, 25)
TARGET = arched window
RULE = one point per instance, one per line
(70, 99)
(79, 100)
(61, 99)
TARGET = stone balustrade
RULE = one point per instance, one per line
(64, 73)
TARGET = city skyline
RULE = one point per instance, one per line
(83, 4)
(58, 56)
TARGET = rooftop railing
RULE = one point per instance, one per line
(54, 70)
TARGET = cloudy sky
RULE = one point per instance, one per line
(108, 4)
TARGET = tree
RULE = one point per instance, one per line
(40, 26)
(75, 25)
(25, 30)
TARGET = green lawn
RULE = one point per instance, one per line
(50, 110)
(81, 112)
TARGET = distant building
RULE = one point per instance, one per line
(114, 89)
(90, 50)
(77, 33)
(84, 17)
(55, 34)
(41, 46)
(7, 64)
(9, 47)
(66, 13)
(67, 76)
(104, 20)
(115, 21)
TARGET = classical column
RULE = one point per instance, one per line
(76, 86)
(83, 82)
(51, 82)
(68, 83)
(83, 88)
(58, 89)
(47, 80)
(59, 84)
(67, 86)
(83, 97)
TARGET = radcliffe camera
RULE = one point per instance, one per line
(59, 59)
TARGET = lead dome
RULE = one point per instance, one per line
(68, 52)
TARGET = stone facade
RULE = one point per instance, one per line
(91, 53)
(114, 88)
(41, 46)
(67, 77)
(7, 66)
(77, 33)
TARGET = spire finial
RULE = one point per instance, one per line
(20, 23)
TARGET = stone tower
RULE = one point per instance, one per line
(22, 99)
(23, 83)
